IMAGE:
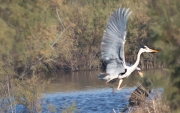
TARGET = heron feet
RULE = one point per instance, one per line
(120, 81)
(120, 88)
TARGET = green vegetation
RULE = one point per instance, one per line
(48, 35)
(63, 34)
(166, 33)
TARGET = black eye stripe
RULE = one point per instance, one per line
(144, 47)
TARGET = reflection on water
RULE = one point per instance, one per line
(83, 81)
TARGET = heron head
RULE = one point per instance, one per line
(146, 49)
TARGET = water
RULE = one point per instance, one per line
(90, 101)
(79, 81)
(89, 94)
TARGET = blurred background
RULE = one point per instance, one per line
(41, 38)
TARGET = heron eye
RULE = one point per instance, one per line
(144, 47)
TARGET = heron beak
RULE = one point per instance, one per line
(140, 73)
(154, 51)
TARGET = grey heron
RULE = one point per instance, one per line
(112, 48)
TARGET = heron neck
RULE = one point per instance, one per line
(124, 63)
(137, 60)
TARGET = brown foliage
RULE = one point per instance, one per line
(152, 105)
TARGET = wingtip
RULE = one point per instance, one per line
(130, 12)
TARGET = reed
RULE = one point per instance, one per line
(155, 104)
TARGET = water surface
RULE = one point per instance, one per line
(90, 94)
(78, 81)
(89, 101)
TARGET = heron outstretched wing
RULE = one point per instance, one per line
(112, 46)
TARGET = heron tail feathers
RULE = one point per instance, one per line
(102, 75)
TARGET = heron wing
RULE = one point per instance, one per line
(112, 46)
(115, 68)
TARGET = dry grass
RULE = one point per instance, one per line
(154, 104)
(146, 99)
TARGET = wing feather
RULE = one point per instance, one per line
(112, 46)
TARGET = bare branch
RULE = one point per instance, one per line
(57, 12)
(59, 37)
(64, 29)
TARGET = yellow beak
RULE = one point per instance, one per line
(155, 51)
(140, 73)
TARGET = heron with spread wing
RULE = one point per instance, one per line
(112, 48)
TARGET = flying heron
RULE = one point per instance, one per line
(112, 48)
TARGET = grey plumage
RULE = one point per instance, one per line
(112, 46)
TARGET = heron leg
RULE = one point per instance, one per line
(120, 81)
(109, 81)
(111, 86)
